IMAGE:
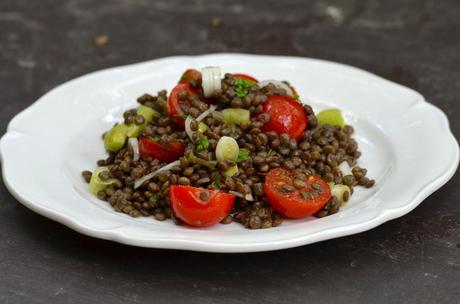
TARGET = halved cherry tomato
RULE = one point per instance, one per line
(174, 102)
(244, 76)
(286, 116)
(164, 153)
(200, 207)
(291, 201)
(190, 74)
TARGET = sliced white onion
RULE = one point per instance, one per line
(227, 148)
(236, 193)
(210, 80)
(345, 168)
(278, 84)
(247, 197)
(149, 176)
(134, 144)
(203, 115)
(188, 129)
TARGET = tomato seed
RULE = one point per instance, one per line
(299, 184)
(287, 188)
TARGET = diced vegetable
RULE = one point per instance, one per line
(331, 117)
(205, 114)
(345, 168)
(202, 127)
(174, 103)
(147, 112)
(242, 155)
(227, 149)
(200, 207)
(190, 74)
(231, 171)
(97, 184)
(293, 199)
(203, 143)
(211, 81)
(196, 160)
(165, 153)
(236, 116)
(339, 191)
(187, 127)
(286, 116)
(149, 176)
(115, 139)
(134, 130)
(133, 144)
(242, 86)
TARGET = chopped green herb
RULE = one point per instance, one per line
(183, 116)
(216, 184)
(270, 151)
(155, 137)
(242, 86)
(203, 143)
(242, 155)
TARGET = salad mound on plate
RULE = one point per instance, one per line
(228, 149)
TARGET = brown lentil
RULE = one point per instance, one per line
(87, 176)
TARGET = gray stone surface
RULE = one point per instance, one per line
(414, 259)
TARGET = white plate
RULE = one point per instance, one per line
(406, 145)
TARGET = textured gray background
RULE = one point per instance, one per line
(415, 259)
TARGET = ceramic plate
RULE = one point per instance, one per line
(406, 146)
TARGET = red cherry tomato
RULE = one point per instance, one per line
(174, 102)
(164, 153)
(286, 116)
(294, 202)
(244, 76)
(200, 207)
(190, 74)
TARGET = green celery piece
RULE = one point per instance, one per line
(196, 160)
(202, 127)
(147, 112)
(115, 139)
(96, 184)
(331, 117)
(236, 116)
(133, 130)
(231, 171)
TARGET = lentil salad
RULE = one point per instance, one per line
(228, 149)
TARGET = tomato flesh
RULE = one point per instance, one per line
(190, 74)
(164, 153)
(188, 205)
(286, 116)
(174, 103)
(245, 76)
(295, 203)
